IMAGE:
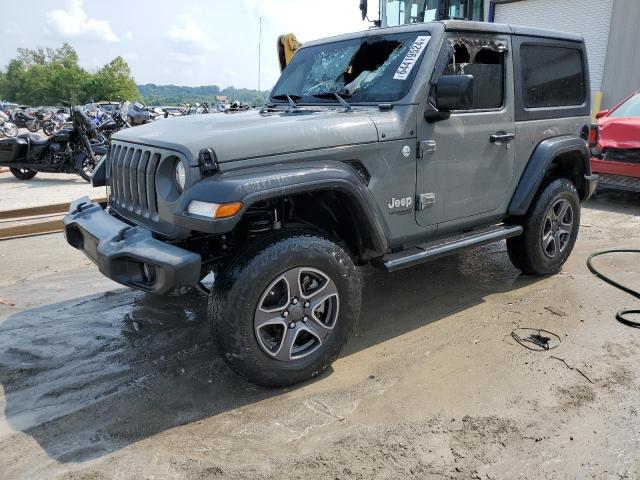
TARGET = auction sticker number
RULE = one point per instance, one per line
(411, 58)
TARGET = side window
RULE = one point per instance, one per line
(551, 76)
(485, 61)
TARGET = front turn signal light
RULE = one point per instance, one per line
(228, 209)
(213, 210)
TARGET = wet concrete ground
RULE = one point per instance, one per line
(99, 381)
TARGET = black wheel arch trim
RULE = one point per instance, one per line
(258, 184)
(99, 178)
(541, 159)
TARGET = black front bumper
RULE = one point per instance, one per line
(122, 251)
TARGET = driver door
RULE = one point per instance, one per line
(463, 171)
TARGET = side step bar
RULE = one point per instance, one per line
(447, 246)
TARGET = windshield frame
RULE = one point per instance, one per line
(368, 35)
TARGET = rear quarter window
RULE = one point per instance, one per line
(552, 76)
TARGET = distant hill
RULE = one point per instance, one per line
(174, 95)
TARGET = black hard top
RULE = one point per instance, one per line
(463, 25)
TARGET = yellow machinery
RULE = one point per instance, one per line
(287, 46)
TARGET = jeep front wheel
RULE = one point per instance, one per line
(550, 230)
(283, 310)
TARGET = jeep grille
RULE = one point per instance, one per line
(131, 170)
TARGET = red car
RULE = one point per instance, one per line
(615, 145)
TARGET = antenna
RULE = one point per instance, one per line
(260, 55)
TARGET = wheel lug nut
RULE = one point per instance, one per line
(292, 325)
(285, 314)
(305, 319)
(294, 300)
(306, 304)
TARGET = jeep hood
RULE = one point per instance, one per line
(622, 133)
(251, 134)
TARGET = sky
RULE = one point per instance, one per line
(185, 42)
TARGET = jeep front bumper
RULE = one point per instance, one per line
(126, 254)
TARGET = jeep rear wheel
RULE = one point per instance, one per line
(550, 230)
(283, 310)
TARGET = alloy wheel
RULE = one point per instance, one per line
(557, 228)
(296, 314)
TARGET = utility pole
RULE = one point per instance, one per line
(260, 55)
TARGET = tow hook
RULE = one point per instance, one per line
(120, 235)
(81, 206)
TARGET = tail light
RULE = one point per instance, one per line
(593, 141)
(593, 135)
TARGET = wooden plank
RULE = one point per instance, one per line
(41, 210)
(30, 229)
(26, 222)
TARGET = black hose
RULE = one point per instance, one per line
(623, 315)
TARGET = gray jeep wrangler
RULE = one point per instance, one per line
(392, 146)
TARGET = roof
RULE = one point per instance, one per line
(453, 25)
(509, 30)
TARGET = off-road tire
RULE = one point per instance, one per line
(240, 286)
(23, 173)
(526, 251)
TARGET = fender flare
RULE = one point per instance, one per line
(254, 185)
(538, 165)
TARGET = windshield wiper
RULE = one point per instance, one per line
(290, 98)
(343, 102)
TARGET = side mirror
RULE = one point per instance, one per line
(602, 113)
(454, 92)
(363, 9)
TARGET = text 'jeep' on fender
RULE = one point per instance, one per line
(392, 146)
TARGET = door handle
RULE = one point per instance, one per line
(500, 137)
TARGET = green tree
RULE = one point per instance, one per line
(46, 76)
(114, 82)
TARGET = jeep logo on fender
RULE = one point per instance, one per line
(400, 206)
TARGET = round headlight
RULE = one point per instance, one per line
(181, 175)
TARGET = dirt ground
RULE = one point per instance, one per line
(99, 381)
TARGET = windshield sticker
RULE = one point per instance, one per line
(411, 58)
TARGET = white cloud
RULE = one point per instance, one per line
(230, 73)
(188, 58)
(12, 28)
(308, 19)
(190, 37)
(74, 22)
(128, 35)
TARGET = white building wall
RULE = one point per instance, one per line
(589, 18)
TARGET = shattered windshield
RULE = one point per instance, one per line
(378, 68)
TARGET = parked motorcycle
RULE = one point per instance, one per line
(137, 114)
(54, 123)
(40, 117)
(23, 119)
(7, 128)
(67, 151)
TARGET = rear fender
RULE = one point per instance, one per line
(539, 164)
